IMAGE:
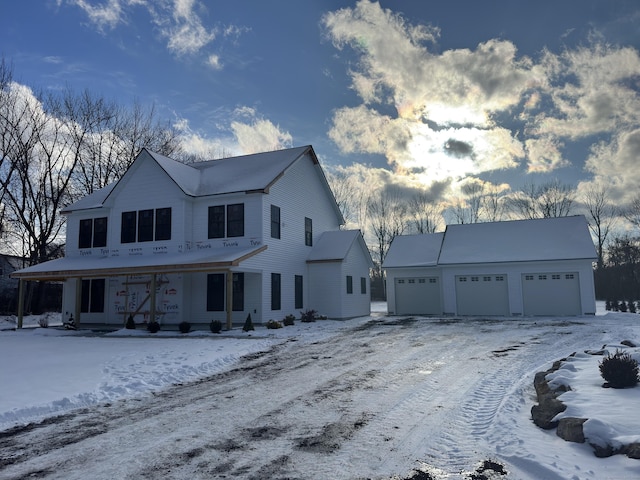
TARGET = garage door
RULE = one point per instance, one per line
(482, 295)
(418, 296)
(551, 293)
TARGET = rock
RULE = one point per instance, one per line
(543, 413)
(628, 343)
(570, 429)
(632, 450)
(602, 452)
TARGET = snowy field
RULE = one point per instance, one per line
(393, 395)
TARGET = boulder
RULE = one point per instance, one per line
(570, 429)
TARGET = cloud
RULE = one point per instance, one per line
(105, 16)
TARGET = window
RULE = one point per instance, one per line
(163, 224)
(400, 281)
(350, 284)
(298, 291)
(275, 291)
(555, 277)
(237, 288)
(216, 221)
(128, 227)
(145, 225)
(486, 279)
(422, 280)
(462, 279)
(569, 276)
(432, 280)
(528, 277)
(412, 280)
(363, 285)
(475, 279)
(275, 222)
(308, 232)
(542, 277)
(93, 233)
(500, 278)
(235, 220)
(215, 292)
(92, 298)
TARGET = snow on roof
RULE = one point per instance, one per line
(122, 265)
(561, 238)
(245, 173)
(414, 251)
(334, 245)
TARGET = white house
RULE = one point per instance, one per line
(523, 267)
(256, 234)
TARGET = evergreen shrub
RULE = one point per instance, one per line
(620, 370)
(153, 327)
(215, 326)
(184, 327)
(273, 324)
(131, 324)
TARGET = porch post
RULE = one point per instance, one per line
(152, 299)
(229, 298)
(20, 302)
(78, 303)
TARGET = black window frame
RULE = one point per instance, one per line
(216, 221)
(363, 285)
(100, 229)
(163, 224)
(275, 221)
(298, 282)
(129, 227)
(145, 225)
(215, 292)
(308, 232)
(235, 220)
(85, 233)
(276, 291)
(349, 284)
(92, 299)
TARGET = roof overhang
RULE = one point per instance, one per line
(83, 267)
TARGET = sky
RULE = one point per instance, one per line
(410, 421)
(420, 95)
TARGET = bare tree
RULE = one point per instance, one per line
(632, 212)
(387, 219)
(601, 215)
(425, 215)
(551, 199)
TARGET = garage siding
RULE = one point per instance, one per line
(556, 293)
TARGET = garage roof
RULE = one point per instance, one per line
(545, 239)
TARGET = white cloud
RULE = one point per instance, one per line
(105, 15)
(214, 62)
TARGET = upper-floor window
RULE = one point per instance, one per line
(308, 232)
(146, 225)
(93, 233)
(275, 221)
(227, 219)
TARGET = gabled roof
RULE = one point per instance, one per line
(246, 173)
(335, 245)
(545, 239)
(414, 251)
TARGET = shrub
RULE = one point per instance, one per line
(289, 320)
(131, 324)
(215, 326)
(184, 327)
(248, 324)
(153, 327)
(43, 322)
(273, 324)
(632, 306)
(308, 316)
(620, 370)
(623, 306)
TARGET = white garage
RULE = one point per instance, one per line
(551, 293)
(523, 267)
(418, 295)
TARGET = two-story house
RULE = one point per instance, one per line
(255, 234)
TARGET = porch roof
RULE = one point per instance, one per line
(86, 267)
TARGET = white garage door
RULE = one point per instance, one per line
(418, 296)
(551, 293)
(482, 295)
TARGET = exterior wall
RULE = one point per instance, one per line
(355, 304)
(328, 285)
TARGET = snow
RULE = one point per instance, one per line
(48, 371)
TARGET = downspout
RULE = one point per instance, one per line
(20, 302)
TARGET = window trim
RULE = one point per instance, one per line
(308, 232)
(235, 220)
(276, 291)
(349, 284)
(275, 222)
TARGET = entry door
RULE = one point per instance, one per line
(418, 296)
(482, 295)
(551, 293)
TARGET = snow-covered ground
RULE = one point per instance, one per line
(49, 371)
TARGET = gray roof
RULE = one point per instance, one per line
(334, 245)
(246, 173)
(545, 239)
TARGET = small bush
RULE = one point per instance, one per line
(308, 316)
(248, 324)
(184, 327)
(620, 370)
(131, 324)
(215, 326)
(273, 324)
(289, 320)
(43, 322)
(623, 306)
(153, 327)
(632, 306)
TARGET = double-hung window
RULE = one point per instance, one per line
(275, 221)
(93, 233)
(146, 225)
(308, 232)
(226, 221)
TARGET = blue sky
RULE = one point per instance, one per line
(417, 94)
